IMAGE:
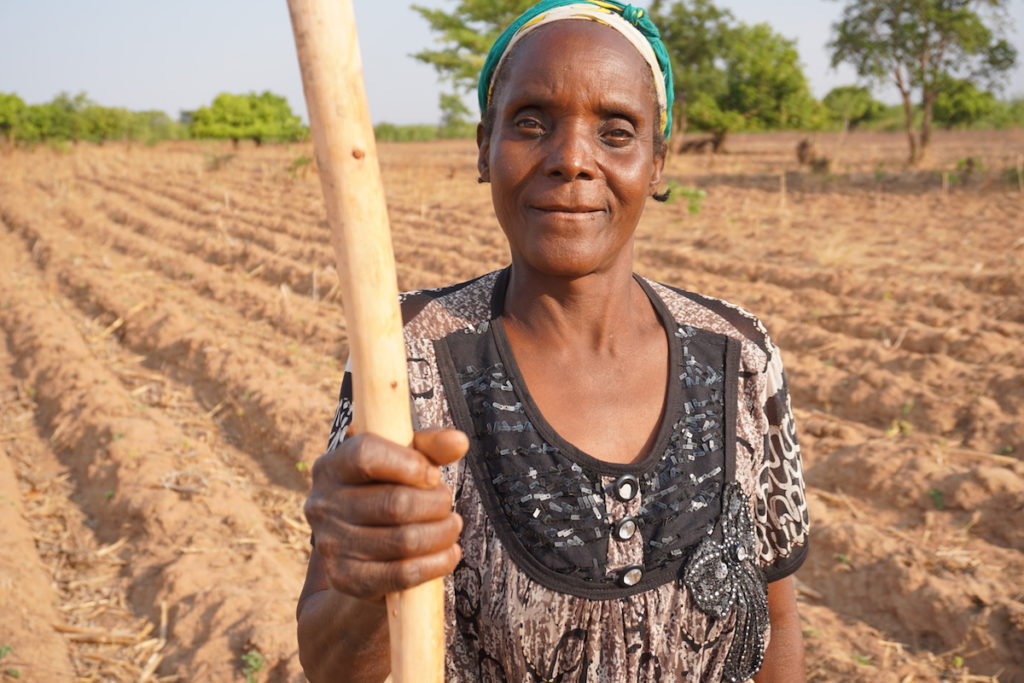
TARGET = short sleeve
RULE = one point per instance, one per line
(781, 508)
(343, 415)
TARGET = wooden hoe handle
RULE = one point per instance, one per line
(346, 156)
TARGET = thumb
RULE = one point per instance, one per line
(442, 446)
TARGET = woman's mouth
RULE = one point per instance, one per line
(568, 209)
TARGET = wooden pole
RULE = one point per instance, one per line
(346, 156)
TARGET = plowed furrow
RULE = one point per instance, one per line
(277, 408)
(164, 495)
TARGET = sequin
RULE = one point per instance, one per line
(723, 578)
(556, 507)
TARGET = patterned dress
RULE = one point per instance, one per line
(577, 569)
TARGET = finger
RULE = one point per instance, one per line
(442, 446)
(371, 580)
(368, 458)
(389, 505)
(408, 541)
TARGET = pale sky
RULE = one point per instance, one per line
(143, 54)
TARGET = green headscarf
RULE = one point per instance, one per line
(637, 18)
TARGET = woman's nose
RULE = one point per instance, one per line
(571, 156)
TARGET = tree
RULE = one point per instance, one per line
(728, 76)
(455, 117)
(960, 103)
(917, 45)
(258, 117)
(696, 35)
(731, 76)
(466, 33)
(852, 105)
(12, 109)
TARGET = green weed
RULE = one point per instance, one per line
(899, 428)
(938, 499)
(300, 166)
(252, 663)
(215, 162)
(693, 195)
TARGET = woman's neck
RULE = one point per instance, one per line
(597, 313)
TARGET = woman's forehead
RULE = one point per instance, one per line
(577, 46)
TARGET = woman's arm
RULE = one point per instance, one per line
(338, 632)
(784, 659)
(383, 522)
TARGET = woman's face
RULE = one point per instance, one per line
(570, 156)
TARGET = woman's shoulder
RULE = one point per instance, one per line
(715, 315)
(434, 313)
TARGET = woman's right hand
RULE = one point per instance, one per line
(381, 517)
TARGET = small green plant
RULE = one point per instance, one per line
(302, 466)
(899, 428)
(5, 650)
(1005, 450)
(843, 558)
(109, 495)
(693, 195)
(12, 672)
(958, 661)
(907, 406)
(970, 165)
(300, 166)
(215, 162)
(863, 659)
(938, 499)
(252, 663)
(811, 633)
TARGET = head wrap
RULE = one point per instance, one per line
(631, 22)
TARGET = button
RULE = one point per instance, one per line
(631, 575)
(739, 551)
(626, 487)
(625, 528)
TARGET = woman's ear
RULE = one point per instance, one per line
(656, 173)
(483, 146)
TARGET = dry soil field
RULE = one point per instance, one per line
(171, 344)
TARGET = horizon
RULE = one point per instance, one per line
(122, 54)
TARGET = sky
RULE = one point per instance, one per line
(178, 55)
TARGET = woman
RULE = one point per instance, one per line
(631, 507)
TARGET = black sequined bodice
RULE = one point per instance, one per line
(551, 503)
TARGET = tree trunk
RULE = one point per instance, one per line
(927, 106)
(718, 141)
(908, 113)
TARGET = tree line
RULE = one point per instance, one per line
(74, 118)
(944, 57)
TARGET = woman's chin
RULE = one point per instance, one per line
(564, 263)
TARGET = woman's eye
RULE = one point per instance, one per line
(528, 124)
(620, 134)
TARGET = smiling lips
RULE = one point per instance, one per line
(568, 209)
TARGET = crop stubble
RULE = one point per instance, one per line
(174, 340)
